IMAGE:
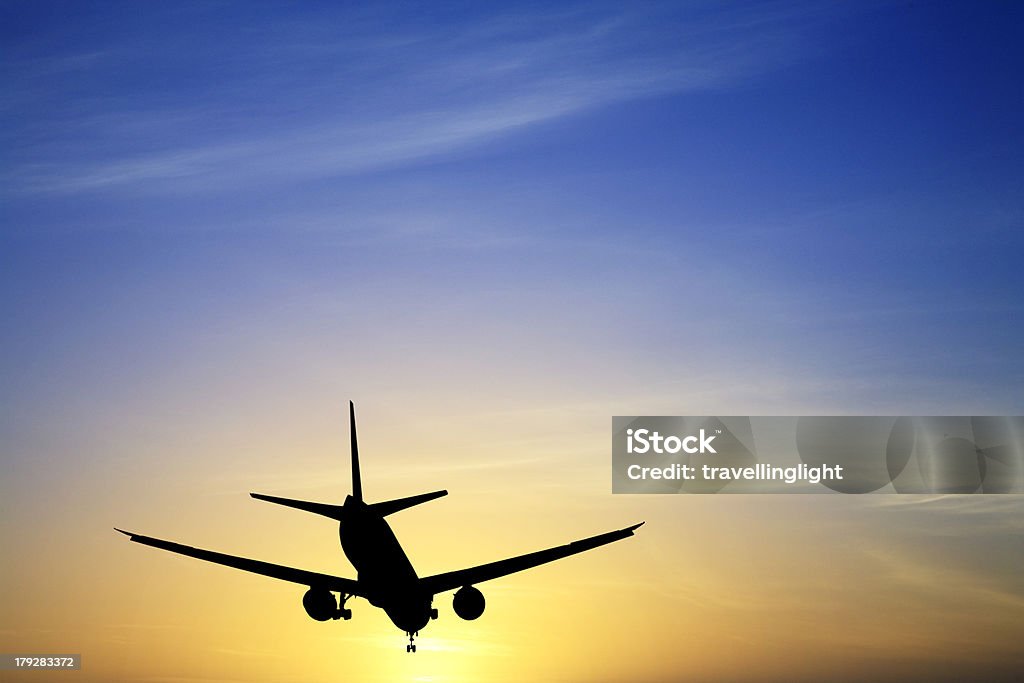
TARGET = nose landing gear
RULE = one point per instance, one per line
(411, 647)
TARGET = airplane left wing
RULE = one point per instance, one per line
(440, 583)
(276, 571)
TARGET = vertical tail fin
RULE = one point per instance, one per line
(357, 484)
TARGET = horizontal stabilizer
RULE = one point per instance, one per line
(387, 507)
(332, 511)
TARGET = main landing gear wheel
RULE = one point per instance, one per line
(343, 612)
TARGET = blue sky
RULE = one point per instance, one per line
(826, 192)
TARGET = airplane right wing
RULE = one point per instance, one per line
(276, 571)
(440, 583)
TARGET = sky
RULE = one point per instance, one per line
(493, 227)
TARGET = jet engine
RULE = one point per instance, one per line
(468, 603)
(320, 604)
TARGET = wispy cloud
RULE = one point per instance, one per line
(944, 582)
(318, 103)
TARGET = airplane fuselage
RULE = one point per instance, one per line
(383, 567)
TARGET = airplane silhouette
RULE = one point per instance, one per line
(386, 578)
